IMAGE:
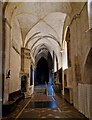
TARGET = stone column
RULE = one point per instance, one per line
(25, 67)
(53, 69)
(6, 59)
(57, 70)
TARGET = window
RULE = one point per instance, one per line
(90, 13)
(68, 47)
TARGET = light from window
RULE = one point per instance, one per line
(90, 13)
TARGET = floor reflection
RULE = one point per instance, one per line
(50, 90)
(49, 104)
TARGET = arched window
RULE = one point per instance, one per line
(68, 47)
(90, 13)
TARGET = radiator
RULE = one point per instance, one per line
(84, 99)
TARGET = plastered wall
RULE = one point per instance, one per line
(7, 61)
(80, 45)
(15, 67)
(12, 59)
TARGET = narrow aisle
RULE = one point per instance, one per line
(43, 106)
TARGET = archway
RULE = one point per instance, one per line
(23, 83)
(42, 71)
(31, 75)
(88, 69)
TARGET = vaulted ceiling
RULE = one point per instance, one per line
(38, 25)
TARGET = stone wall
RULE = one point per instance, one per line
(15, 67)
(68, 85)
(7, 59)
(26, 64)
(80, 46)
(68, 74)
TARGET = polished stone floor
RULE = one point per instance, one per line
(49, 104)
(42, 106)
(58, 108)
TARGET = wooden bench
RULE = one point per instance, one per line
(10, 105)
(16, 96)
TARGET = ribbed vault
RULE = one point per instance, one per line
(38, 26)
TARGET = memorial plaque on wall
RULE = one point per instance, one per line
(77, 69)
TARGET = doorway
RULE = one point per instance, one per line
(31, 75)
(23, 83)
(42, 72)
